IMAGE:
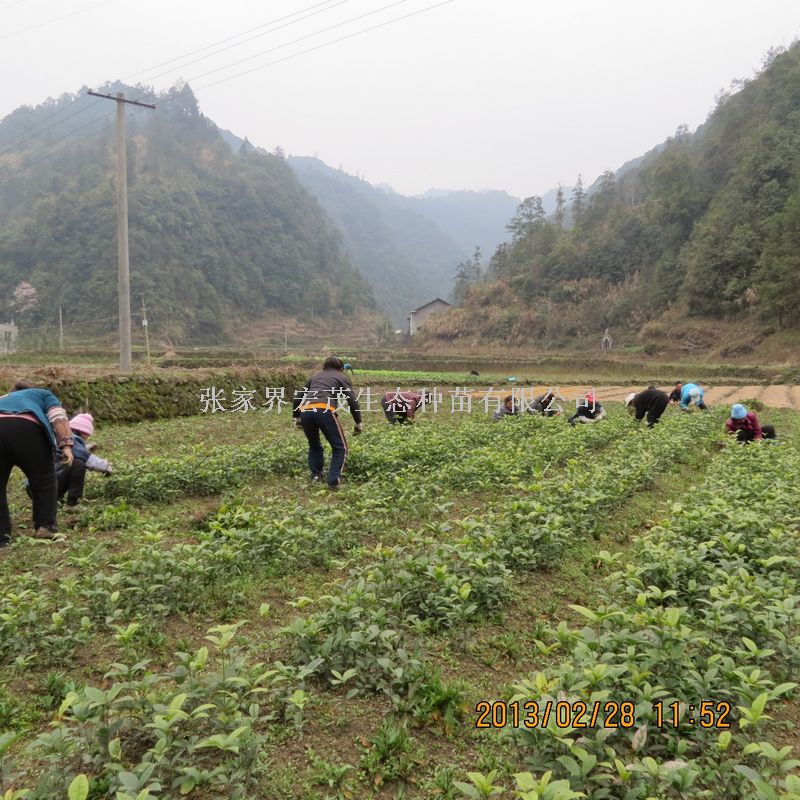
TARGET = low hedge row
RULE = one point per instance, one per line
(159, 395)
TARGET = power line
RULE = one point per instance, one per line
(253, 69)
(55, 19)
(15, 3)
(39, 149)
(9, 145)
(327, 44)
(300, 39)
(235, 36)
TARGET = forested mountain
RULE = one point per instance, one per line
(705, 225)
(406, 257)
(215, 235)
(470, 219)
(409, 248)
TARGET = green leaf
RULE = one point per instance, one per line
(79, 788)
(759, 704)
(115, 749)
(586, 612)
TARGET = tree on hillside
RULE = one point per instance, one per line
(468, 273)
(530, 212)
(778, 276)
(561, 205)
(24, 298)
(578, 200)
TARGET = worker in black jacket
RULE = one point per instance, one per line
(314, 410)
(651, 402)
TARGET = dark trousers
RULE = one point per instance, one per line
(24, 444)
(394, 412)
(585, 413)
(327, 423)
(767, 431)
(656, 410)
(71, 480)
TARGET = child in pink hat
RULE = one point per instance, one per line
(71, 479)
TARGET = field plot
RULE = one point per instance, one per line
(512, 609)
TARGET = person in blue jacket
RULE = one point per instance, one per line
(692, 393)
(32, 426)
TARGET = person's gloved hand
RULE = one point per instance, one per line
(66, 456)
(109, 470)
(91, 447)
(358, 428)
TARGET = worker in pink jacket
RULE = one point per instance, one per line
(402, 406)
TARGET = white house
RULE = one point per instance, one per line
(418, 317)
(8, 338)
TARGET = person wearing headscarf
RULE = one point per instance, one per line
(589, 410)
(71, 478)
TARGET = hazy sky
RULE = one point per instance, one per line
(509, 94)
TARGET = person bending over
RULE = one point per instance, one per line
(314, 410)
(651, 402)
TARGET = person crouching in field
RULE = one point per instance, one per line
(314, 410)
(401, 407)
(588, 411)
(71, 478)
(692, 393)
(745, 426)
(508, 409)
(546, 404)
(32, 425)
(651, 402)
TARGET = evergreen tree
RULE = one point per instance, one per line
(578, 200)
(561, 205)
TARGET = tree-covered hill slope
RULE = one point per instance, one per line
(705, 226)
(215, 235)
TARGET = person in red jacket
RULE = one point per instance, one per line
(402, 406)
(746, 427)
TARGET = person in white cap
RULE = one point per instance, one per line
(651, 402)
(71, 478)
(692, 393)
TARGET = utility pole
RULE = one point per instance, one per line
(60, 331)
(125, 359)
(146, 332)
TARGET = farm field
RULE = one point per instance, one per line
(214, 625)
